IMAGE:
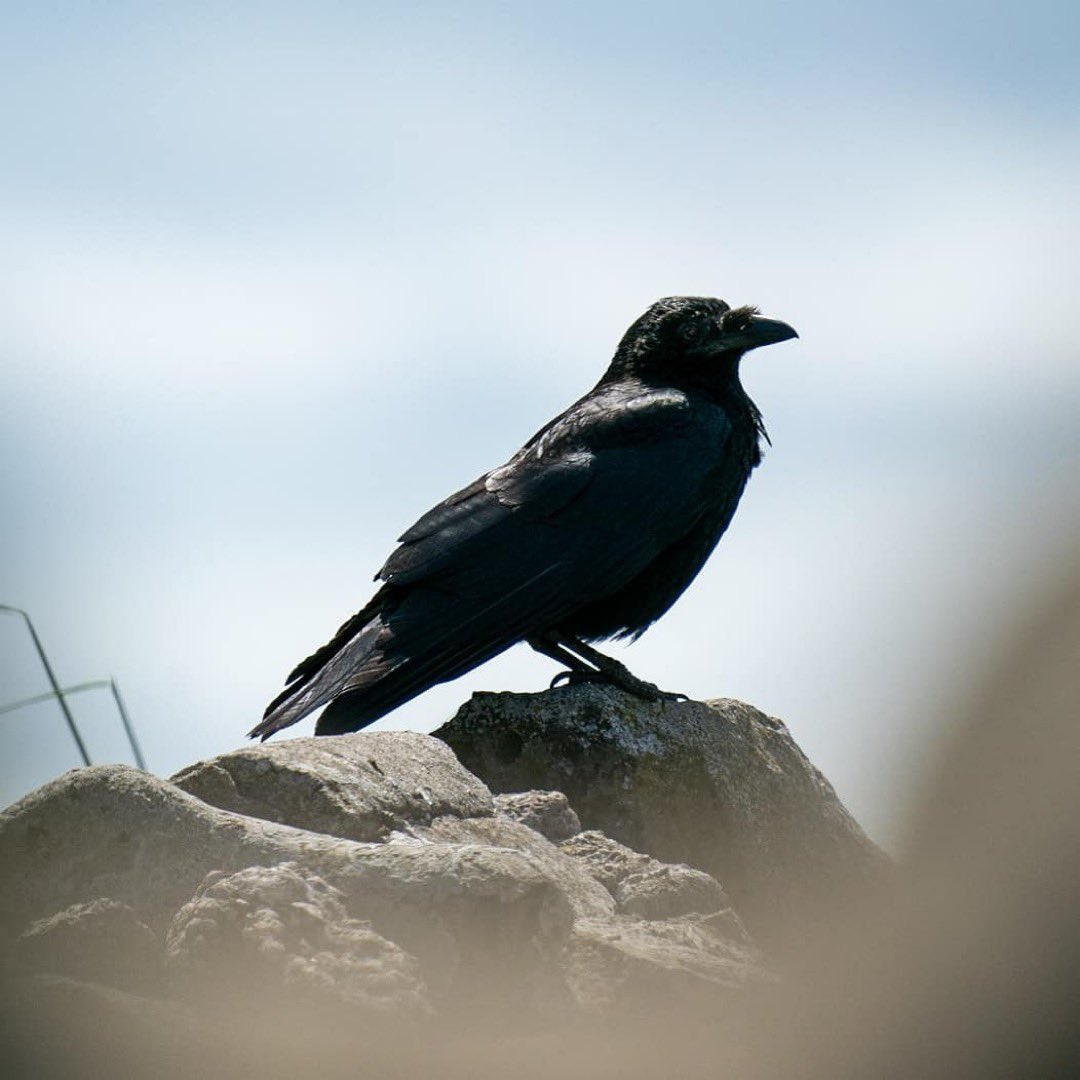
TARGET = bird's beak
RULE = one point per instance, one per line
(757, 332)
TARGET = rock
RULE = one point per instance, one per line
(668, 890)
(600, 876)
(372, 876)
(335, 899)
(548, 812)
(619, 966)
(634, 969)
(717, 785)
(101, 940)
(285, 930)
(607, 860)
(643, 886)
(488, 925)
(359, 787)
(587, 896)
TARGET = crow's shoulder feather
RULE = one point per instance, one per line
(600, 442)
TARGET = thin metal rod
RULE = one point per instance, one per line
(94, 684)
(97, 684)
(52, 680)
(136, 750)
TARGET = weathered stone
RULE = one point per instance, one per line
(359, 787)
(102, 940)
(627, 968)
(667, 890)
(719, 786)
(548, 812)
(620, 966)
(607, 860)
(487, 924)
(642, 885)
(285, 930)
(446, 913)
(586, 894)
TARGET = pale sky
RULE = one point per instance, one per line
(276, 278)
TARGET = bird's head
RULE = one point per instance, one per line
(694, 337)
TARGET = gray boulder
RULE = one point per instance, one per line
(359, 787)
(638, 969)
(374, 875)
(548, 812)
(487, 924)
(587, 896)
(717, 785)
(393, 785)
(324, 898)
(644, 886)
(285, 930)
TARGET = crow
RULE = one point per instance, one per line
(591, 531)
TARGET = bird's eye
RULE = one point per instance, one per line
(691, 331)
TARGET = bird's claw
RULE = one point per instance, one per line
(651, 692)
(674, 695)
(647, 691)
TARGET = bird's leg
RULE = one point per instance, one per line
(616, 673)
(579, 670)
(590, 665)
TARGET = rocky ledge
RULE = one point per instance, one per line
(545, 860)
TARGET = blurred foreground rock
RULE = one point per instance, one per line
(102, 939)
(283, 927)
(368, 882)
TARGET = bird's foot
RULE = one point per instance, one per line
(621, 680)
(588, 665)
(647, 691)
(621, 676)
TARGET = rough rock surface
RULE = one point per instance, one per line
(373, 878)
(642, 885)
(548, 812)
(586, 894)
(359, 787)
(284, 927)
(634, 968)
(487, 922)
(485, 905)
(716, 785)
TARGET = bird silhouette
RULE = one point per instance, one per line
(590, 531)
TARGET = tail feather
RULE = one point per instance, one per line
(345, 633)
(363, 705)
(353, 661)
(402, 643)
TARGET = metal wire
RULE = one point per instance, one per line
(57, 692)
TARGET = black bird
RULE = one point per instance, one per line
(590, 531)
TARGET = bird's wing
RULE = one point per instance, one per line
(478, 517)
(583, 507)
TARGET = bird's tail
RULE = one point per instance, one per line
(353, 651)
(392, 650)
